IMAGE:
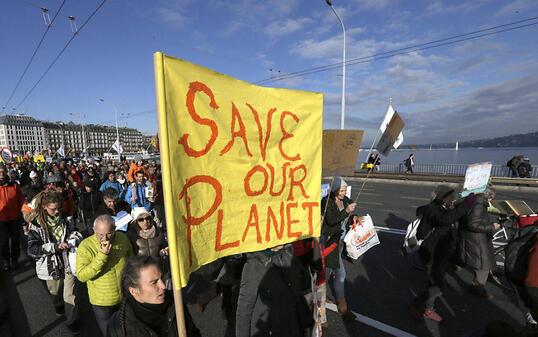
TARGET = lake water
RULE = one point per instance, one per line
(463, 156)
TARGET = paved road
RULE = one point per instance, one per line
(379, 285)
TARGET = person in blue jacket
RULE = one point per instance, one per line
(111, 182)
(139, 194)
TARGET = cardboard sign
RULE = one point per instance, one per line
(476, 178)
(241, 164)
(340, 151)
(390, 135)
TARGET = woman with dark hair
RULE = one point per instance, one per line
(338, 208)
(147, 308)
(49, 243)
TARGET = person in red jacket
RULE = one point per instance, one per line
(11, 201)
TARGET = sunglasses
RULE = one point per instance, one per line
(147, 218)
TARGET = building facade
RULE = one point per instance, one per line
(22, 134)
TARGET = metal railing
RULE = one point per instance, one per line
(445, 169)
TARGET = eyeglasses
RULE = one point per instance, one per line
(147, 218)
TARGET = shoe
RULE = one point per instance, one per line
(481, 291)
(60, 311)
(430, 313)
(342, 307)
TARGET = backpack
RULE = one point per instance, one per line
(517, 255)
(411, 243)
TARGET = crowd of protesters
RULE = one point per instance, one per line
(101, 226)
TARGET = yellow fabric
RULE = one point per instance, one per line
(225, 190)
(101, 272)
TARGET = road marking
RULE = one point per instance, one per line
(373, 323)
(370, 203)
(415, 198)
(390, 230)
(371, 194)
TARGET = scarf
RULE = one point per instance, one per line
(147, 234)
(152, 315)
(56, 228)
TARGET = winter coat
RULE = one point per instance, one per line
(141, 200)
(120, 205)
(437, 229)
(11, 201)
(126, 323)
(51, 263)
(267, 305)
(146, 247)
(475, 234)
(331, 230)
(111, 184)
(89, 205)
(102, 272)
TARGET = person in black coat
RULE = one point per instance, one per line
(437, 229)
(147, 309)
(475, 234)
(89, 204)
(337, 208)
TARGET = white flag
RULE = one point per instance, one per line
(385, 123)
(117, 146)
(61, 151)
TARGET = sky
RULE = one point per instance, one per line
(474, 89)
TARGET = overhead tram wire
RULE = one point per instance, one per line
(408, 49)
(75, 34)
(33, 55)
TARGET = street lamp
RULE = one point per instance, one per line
(115, 117)
(343, 107)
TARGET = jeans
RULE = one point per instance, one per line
(103, 315)
(10, 230)
(336, 278)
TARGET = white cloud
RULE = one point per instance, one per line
(171, 13)
(373, 4)
(286, 26)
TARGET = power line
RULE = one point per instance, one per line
(60, 54)
(406, 50)
(33, 55)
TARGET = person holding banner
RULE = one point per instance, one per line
(338, 208)
(475, 235)
(437, 229)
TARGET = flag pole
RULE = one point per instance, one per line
(377, 134)
(175, 253)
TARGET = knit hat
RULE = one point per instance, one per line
(137, 212)
(338, 183)
(33, 175)
(443, 191)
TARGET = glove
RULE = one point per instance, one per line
(470, 201)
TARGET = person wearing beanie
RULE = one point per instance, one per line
(337, 208)
(438, 232)
(146, 238)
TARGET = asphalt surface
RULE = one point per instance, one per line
(379, 285)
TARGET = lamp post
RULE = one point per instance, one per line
(343, 107)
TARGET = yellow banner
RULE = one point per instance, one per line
(39, 158)
(241, 164)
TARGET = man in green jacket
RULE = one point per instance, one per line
(100, 262)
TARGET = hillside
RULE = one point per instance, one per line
(520, 140)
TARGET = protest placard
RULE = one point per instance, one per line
(390, 135)
(340, 151)
(241, 164)
(476, 178)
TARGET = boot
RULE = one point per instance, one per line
(341, 304)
